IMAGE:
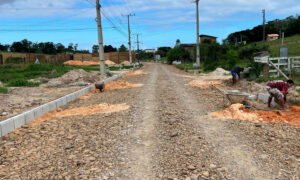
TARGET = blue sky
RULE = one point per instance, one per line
(159, 22)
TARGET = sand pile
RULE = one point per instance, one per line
(126, 63)
(205, 83)
(109, 62)
(80, 63)
(134, 73)
(219, 72)
(82, 111)
(120, 85)
(86, 96)
(238, 111)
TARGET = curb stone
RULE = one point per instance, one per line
(19, 120)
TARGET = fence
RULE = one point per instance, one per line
(116, 57)
(31, 57)
(281, 65)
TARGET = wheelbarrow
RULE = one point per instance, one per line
(233, 97)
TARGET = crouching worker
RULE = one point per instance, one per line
(236, 71)
(278, 89)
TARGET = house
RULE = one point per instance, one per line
(149, 50)
(189, 48)
(272, 37)
(207, 37)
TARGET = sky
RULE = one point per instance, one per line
(158, 22)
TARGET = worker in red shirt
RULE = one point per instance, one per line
(278, 89)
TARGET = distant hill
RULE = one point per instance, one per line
(290, 26)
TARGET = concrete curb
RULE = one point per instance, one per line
(19, 120)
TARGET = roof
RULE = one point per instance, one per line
(187, 45)
(203, 35)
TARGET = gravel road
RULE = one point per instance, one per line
(165, 134)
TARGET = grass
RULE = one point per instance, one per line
(3, 90)
(292, 42)
(20, 82)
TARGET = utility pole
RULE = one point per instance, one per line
(198, 40)
(138, 42)
(100, 39)
(282, 38)
(264, 25)
(129, 37)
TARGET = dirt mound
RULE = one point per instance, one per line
(120, 85)
(82, 111)
(205, 83)
(109, 62)
(134, 73)
(238, 111)
(126, 63)
(80, 63)
(77, 75)
(219, 72)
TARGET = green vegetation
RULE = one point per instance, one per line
(20, 82)
(177, 53)
(3, 90)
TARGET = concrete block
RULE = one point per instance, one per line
(69, 98)
(252, 97)
(264, 98)
(29, 116)
(64, 100)
(38, 112)
(0, 131)
(45, 109)
(19, 120)
(52, 106)
(58, 102)
(7, 126)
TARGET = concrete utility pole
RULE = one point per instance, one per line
(264, 25)
(282, 38)
(198, 40)
(129, 37)
(100, 39)
(137, 42)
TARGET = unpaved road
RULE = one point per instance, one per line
(166, 134)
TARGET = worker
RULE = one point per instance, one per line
(278, 89)
(236, 71)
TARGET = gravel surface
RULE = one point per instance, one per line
(165, 134)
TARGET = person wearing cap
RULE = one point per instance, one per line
(236, 71)
(278, 89)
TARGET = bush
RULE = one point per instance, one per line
(177, 53)
(3, 90)
(20, 82)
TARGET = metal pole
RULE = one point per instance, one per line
(198, 40)
(100, 39)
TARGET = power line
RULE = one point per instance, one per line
(56, 30)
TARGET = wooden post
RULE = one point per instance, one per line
(279, 71)
(266, 70)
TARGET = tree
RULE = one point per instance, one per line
(16, 47)
(123, 48)
(177, 53)
(70, 47)
(4, 47)
(95, 49)
(109, 48)
(162, 51)
(49, 48)
(60, 48)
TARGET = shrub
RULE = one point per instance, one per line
(21, 82)
(3, 90)
(177, 53)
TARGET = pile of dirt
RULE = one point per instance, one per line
(238, 111)
(77, 75)
(109, 62)
(120, 85)
(126, 63)
(82, 111)
(134, 73)
(202, 83)
(81, 63)
(219, 72)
